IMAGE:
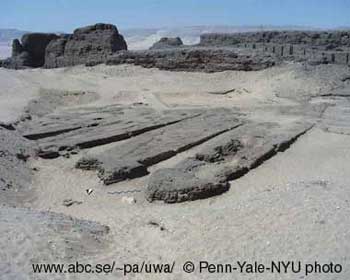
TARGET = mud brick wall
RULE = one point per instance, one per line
(309, 47)
(301, 52)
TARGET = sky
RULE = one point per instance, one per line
(66, 15)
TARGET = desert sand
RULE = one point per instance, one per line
(294, 206)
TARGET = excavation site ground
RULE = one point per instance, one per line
(220, 153)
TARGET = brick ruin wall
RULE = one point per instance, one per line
(301, 52)
(297, 50)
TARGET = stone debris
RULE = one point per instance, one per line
(89, 191)
(222, 92)
(128, 199)
(70, 202)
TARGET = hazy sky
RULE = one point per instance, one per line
(65, 15)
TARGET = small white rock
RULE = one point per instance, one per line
(89, 191)
(128, 199)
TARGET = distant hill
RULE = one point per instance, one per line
(143, 38)
(6, 37)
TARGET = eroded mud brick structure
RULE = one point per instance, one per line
(95, 42)
(315, 47)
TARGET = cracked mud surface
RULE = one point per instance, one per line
(265, 166)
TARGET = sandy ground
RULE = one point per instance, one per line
(127, 84)
(294, 207)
